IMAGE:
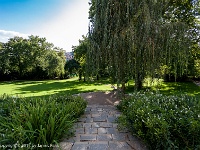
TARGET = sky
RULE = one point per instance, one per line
(61, 22)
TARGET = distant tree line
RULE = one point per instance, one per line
(31, 58)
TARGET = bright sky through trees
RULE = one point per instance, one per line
(62, 22)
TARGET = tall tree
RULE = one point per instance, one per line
(80, 55)
(18, 49)
(134, 38)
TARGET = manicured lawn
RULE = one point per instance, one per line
(50, 87)
(169, 88)
(176, 88)
(73, 86)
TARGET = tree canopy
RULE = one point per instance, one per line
(32, 58)
(80, 55)
(139, 38)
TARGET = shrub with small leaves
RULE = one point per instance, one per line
(163, 122)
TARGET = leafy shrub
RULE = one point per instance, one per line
(163, 122)
(38, 121)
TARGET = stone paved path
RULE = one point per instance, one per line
(97, 130)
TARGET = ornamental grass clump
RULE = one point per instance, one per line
(163, 122)
(38, 121)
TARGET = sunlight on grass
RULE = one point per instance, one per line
(168, 88)
(73, 86)
(49, 87)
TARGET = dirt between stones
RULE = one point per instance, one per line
(100, 98)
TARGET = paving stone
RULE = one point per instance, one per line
(94, 109)
(111, 115)
(95, 125)
(95, 112)
(96, 115)
(103, 114)
(100, 109)
(132, 137)
(113, 112)
(89, 120)
(87, 125)
(119, 146)
(63, 145)
(88, 137)
(98, 145)
(80, 146)
(80, 131)
(88, 115)
(104, 137)
(76, 137)
(117, 115)
(97, 130)
(99, 119)
(119, 137)
(81, 119)
(112, 130)
(106, 125)
(137, 145)
(115, 125)
(72, 140)
(111, 119)
(88, 109)
(102, 130)
(87, 112)
(109, 107)
(91, 130)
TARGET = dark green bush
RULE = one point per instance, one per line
(38, 121)
(163, 122)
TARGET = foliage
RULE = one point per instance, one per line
(38, 121)
(134, 39)
(72, 67)
(80, 55)
(32, 58)
(163, 122)
(1, 44)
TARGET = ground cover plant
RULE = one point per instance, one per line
(37, 121)
(163, 122)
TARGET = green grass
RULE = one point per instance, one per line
(169, 88)
(73, 86)
(50, 87)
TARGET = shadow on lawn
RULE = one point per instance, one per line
(172, 88)
(73, 86)
(177, 88)
(61, 87)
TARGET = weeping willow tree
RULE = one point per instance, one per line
(134, 39)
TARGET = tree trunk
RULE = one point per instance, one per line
(97, 77)
(138, 81)
(123, 89)
(80, 75)
(84, 79)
